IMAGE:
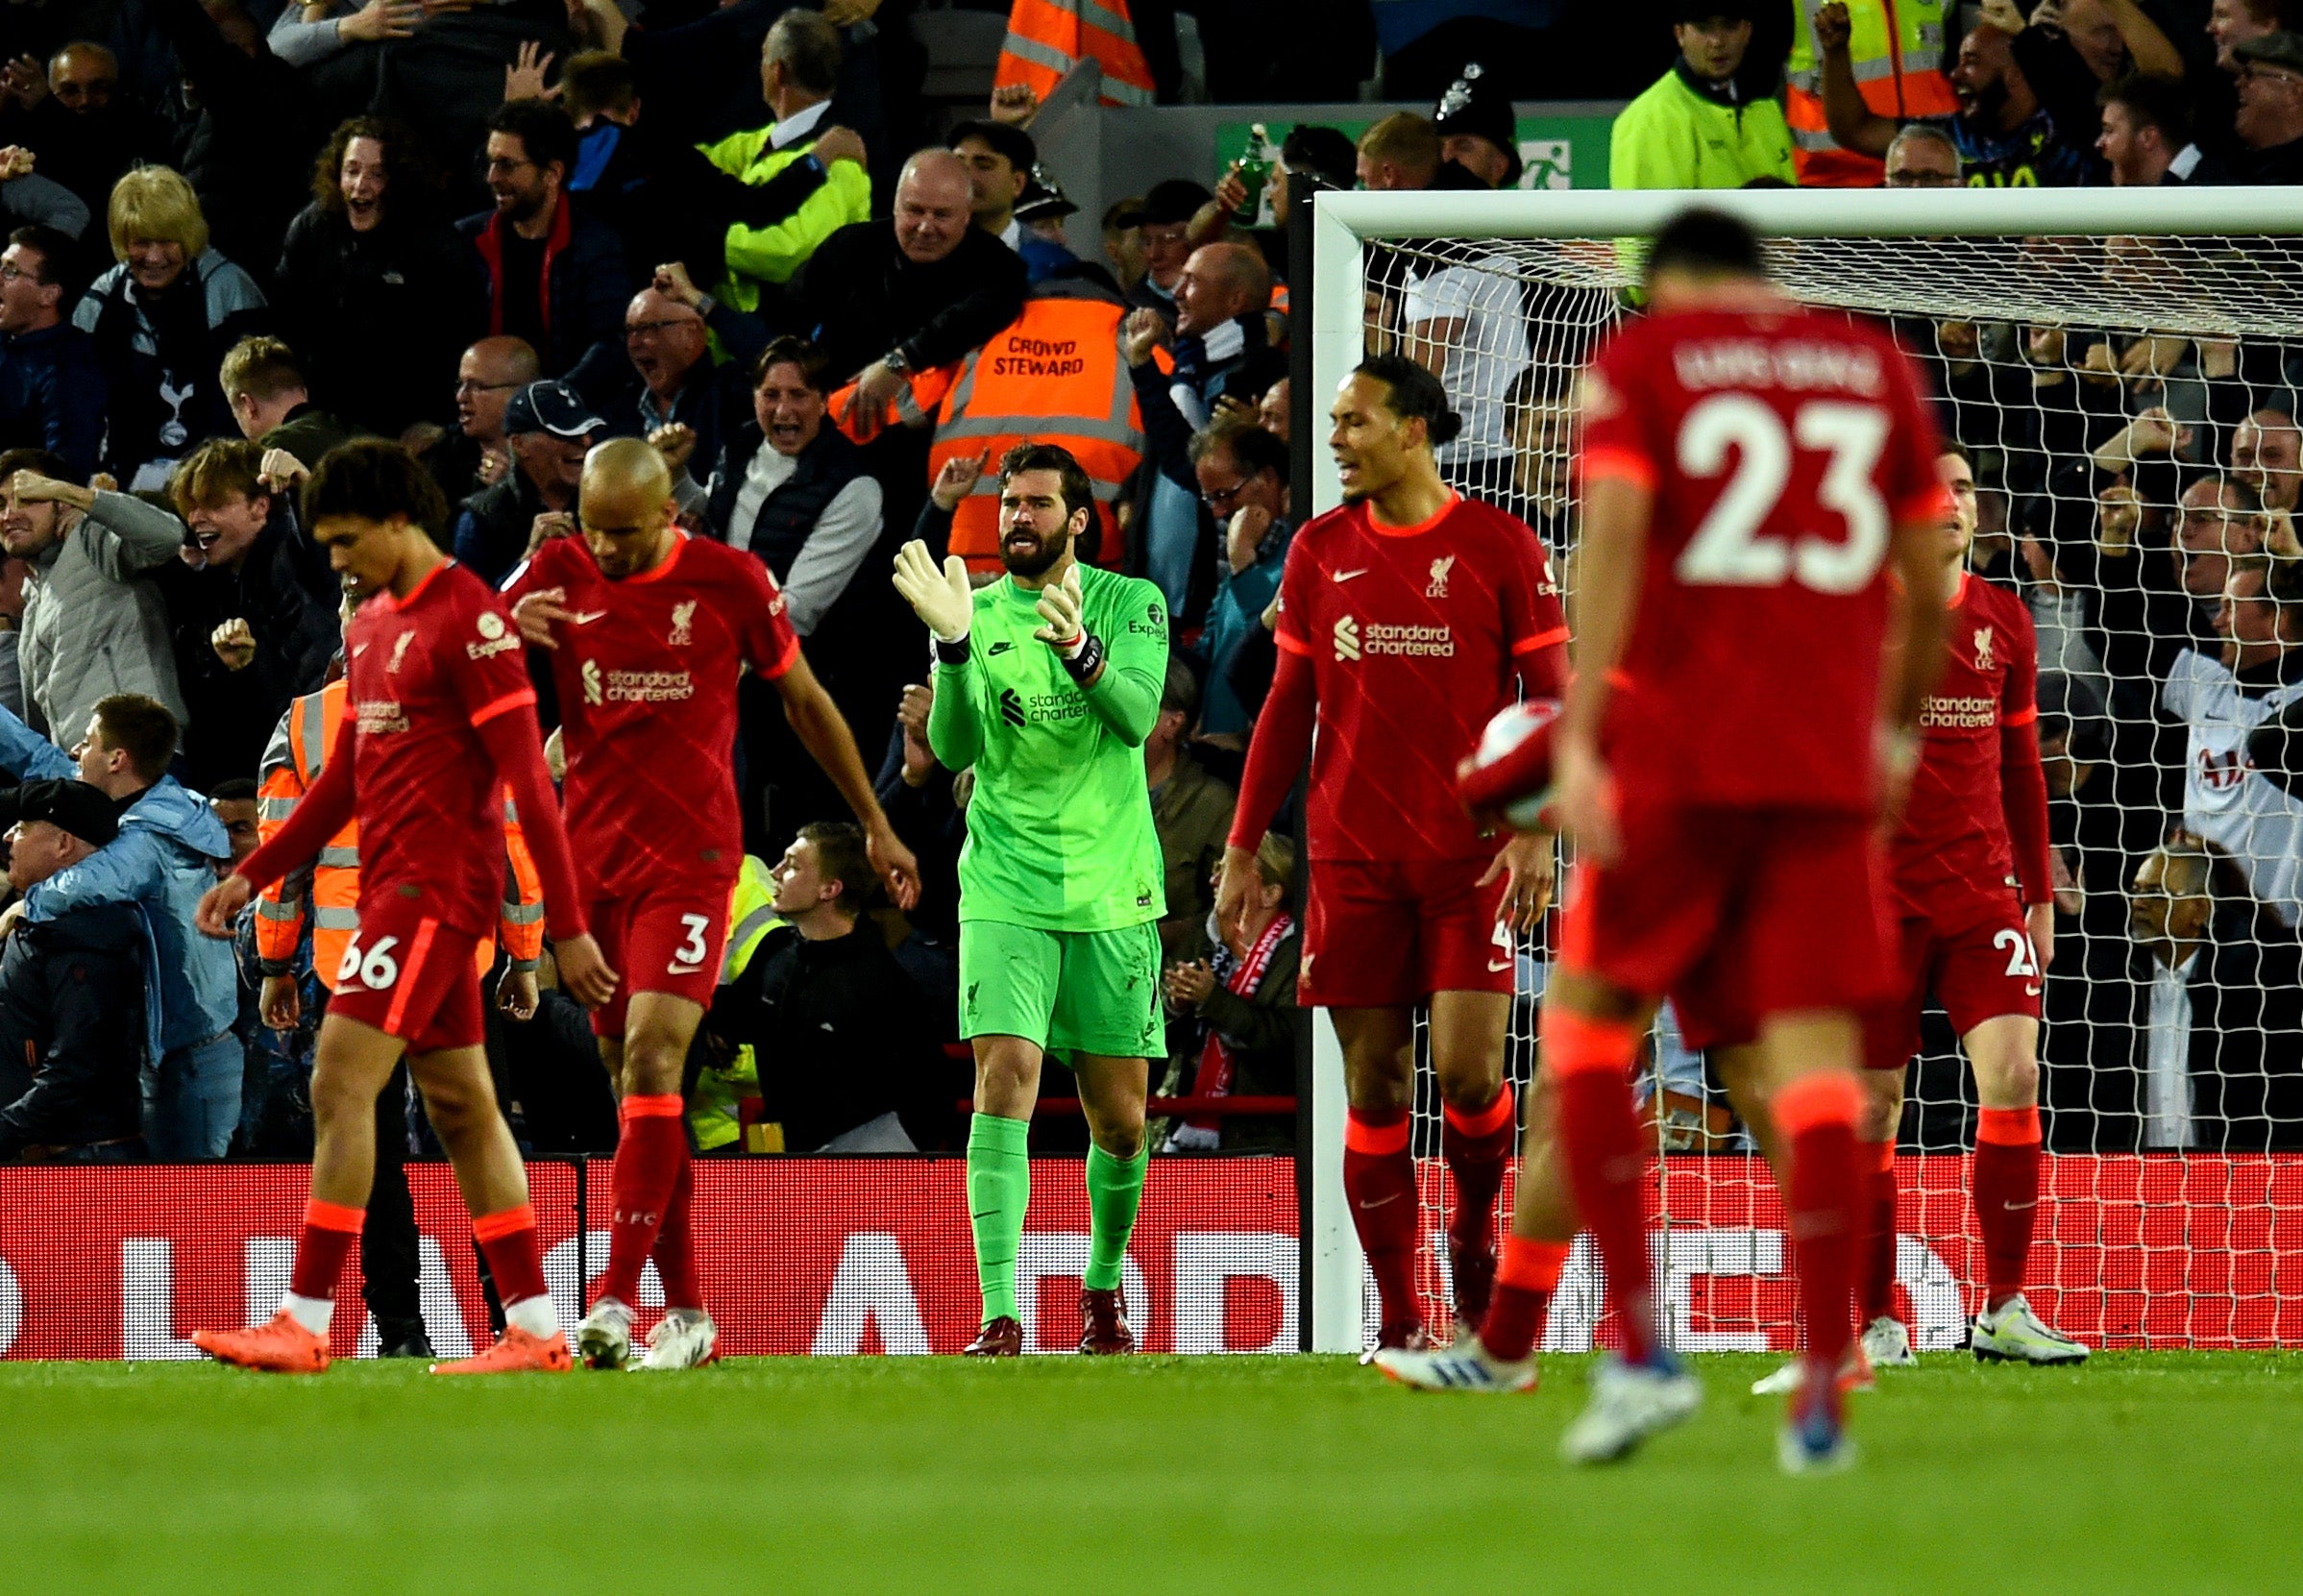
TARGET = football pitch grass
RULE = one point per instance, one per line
(2149, 1473)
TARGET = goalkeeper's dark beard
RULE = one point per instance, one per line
(1039, 559)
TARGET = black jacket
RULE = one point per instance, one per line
(713, 399)
(72, 1031)
(377, 318)
(860, 296)
(245, 130)
(839, 1031)
(286, 593)
(492, 527)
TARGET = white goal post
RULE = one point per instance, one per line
(2201, 267)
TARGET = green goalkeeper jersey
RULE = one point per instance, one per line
(1060, 831)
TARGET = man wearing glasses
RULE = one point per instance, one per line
(51, 387)
(2269, 121)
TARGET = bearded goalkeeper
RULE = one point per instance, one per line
(1047, 682)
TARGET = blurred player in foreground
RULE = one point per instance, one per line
(442, 723)
(1407, 618)
(1047, 681)
(1976, 914)
(650, 630)
(1753, 471)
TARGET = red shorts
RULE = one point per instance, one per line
(413, 978)
(1385, 936)
(1735, 913)
(668, 937)
(1984, 969)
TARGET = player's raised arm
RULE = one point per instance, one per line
(324, 811)
(823, 731)
(947, 606)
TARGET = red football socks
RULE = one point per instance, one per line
(1876, 1266)
(2006, 1196)
(1816, 1116)
(1524, 1283)
(508, 1238)
(1590, 1062)
(331, 1231)
(1478, 1149)
(1379, 1179)
(647, 1159)
(675, 1241)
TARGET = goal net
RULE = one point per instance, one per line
(2123, 369)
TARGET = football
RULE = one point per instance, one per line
(1510, 775)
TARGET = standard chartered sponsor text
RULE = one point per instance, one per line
(649, 686)
(1437, 642)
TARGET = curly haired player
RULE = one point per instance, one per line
(441, 722)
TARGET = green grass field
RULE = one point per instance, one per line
(2160, 1473)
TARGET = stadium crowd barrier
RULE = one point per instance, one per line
(843, 1255)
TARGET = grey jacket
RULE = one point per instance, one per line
(91, 629)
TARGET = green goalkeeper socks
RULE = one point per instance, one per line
(1114, 1191)
(999, 1188)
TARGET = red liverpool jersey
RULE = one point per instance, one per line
(1782, 449)
(647, 670)
(1415, 636)
(421, 675)
(1954, 846)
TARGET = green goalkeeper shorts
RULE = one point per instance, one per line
(1069, 992)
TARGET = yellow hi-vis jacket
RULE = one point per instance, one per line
(1896, 47)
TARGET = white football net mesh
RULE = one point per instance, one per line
(2129, 405)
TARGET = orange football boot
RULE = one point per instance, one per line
(517, 1352)
(277, 1346)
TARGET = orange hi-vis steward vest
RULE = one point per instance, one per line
(1054, 375)
(331, 891)
(1047, 37)
(1896, 48)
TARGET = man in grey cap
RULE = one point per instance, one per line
(2269, 119)
(71, 992)
(549, 428)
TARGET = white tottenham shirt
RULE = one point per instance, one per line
(2225, 798)
(1484, 357)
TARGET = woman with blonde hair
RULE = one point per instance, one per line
(162, 320)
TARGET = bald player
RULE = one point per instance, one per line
(649, 631)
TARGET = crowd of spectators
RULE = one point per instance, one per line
(245, 233)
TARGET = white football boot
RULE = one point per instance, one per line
(2015, 1335)
(1629, 1403)
(1466, 1367)
(604, 1339)
(683, 1339)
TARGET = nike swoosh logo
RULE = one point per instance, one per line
(1347, 575)
(2033, 1203)
(585, 617)
(2031, 990)
(1494, 969)
(1380, 1201)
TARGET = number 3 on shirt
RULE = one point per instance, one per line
(1729, 548)
(375, 969)
(688, 955)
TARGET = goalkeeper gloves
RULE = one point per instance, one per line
(1062, 606)
(941, 599)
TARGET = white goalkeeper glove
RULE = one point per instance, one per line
(1061, 606)
(941, 599)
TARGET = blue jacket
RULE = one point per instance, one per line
(52, 395)
(162, 862)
